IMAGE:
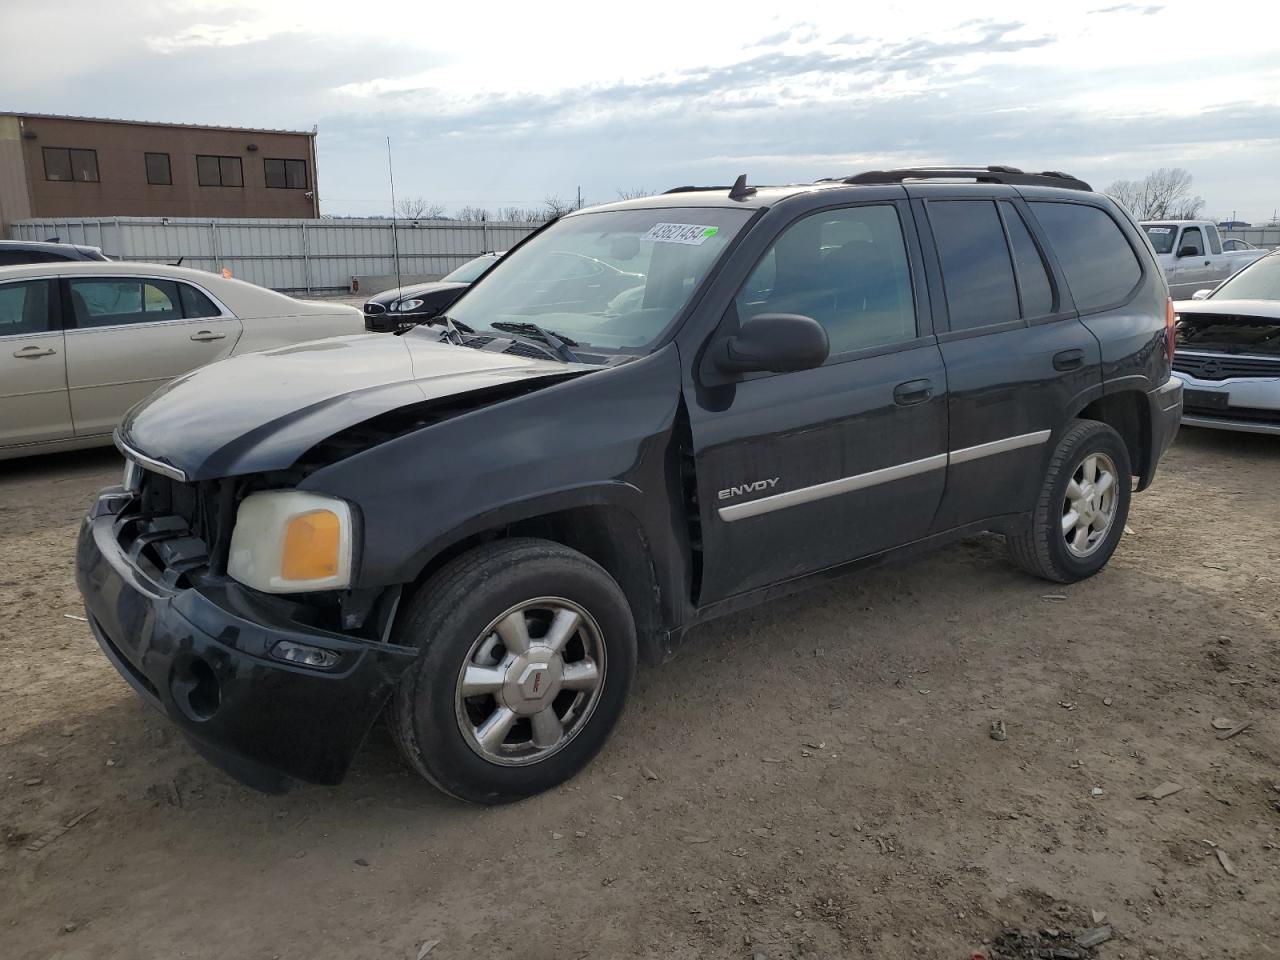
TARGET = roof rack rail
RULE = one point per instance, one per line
(991, 174)
(692, 189)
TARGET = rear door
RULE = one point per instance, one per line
(1017, 358)
(805, 470)
(130, 336)
(33, 370)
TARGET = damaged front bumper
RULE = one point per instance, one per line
(204, 657)
(1244, 404)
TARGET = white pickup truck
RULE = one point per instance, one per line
(1192, 255)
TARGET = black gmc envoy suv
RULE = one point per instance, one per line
(479, 527)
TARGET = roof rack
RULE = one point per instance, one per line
(992, 174)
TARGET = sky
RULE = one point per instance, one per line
(500, 104)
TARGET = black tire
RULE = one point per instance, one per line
(445, 617)
(1041, 549)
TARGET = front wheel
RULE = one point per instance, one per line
(1083, 504)
(528, 652)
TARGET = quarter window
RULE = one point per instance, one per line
(1100, 266)
(219, 171)
(70, 163)
(286, 174)
(845, 268)
(24, 308)
(158, 170)
(195, 304)
(976, 270)
(1035, 293)
(109, 303)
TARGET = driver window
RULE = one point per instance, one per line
(845, 268)
(1191, 238)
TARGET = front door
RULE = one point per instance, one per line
(33, 368)
(1193, 269)
(801, 471)
(131, 336)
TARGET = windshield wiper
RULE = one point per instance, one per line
(559, 344)
(451, 326)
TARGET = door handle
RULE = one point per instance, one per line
(31, 352)
(1068, 360)
(208, 335)
(913, 391)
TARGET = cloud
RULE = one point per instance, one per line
(1146, 11)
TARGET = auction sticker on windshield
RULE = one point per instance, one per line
(1159, 229)
(690, 233)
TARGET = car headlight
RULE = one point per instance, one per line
(290, 541)
(404, 306)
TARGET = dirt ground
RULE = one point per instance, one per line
(827, 785)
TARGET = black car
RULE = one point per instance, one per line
(403, 307)
(17, 252)
(480, 527)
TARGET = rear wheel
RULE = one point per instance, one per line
(528, 651)
(1083, 504)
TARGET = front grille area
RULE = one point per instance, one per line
(1224, 366)
(374, 309)
(1251, 414)
(176, 528)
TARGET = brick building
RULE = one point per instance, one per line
(54, 166)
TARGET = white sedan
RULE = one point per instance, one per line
(1228, 352)
(80, 343)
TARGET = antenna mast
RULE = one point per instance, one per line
(395, 233)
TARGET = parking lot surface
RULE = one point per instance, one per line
(812, 778)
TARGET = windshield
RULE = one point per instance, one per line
(611, 281)
(472, 270)
(1161, 235)
(1258, 281)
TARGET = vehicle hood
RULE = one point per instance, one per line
(416, 290)
(262, 411)
(1261, 309)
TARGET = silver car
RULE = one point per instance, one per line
(1228, 353)
(80, 343)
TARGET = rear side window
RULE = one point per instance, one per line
(109, 303)
(24, 308)
(195, 303)
(1100, 265)
(1034, 290)
(976, 269)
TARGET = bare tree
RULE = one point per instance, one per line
(418, 208)
(556, 207)
(1163, 194)
(634, 193)
(522, 215)
(473, 214)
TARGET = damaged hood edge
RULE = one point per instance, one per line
(262, 411)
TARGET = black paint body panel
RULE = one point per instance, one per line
(641, 456)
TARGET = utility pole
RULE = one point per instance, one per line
(579, 198)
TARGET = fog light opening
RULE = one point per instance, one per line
(203, 694)
(304, 655)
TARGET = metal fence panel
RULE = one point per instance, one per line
(288, 255)
(1258, 236)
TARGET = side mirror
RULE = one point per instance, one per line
(1201, 295)
(776, 343)
(1188, 251)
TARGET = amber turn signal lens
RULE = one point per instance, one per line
(311, 546)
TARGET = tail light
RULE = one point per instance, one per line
(1170, 327)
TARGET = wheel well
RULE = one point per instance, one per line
(1123, 412)
(606, 535)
